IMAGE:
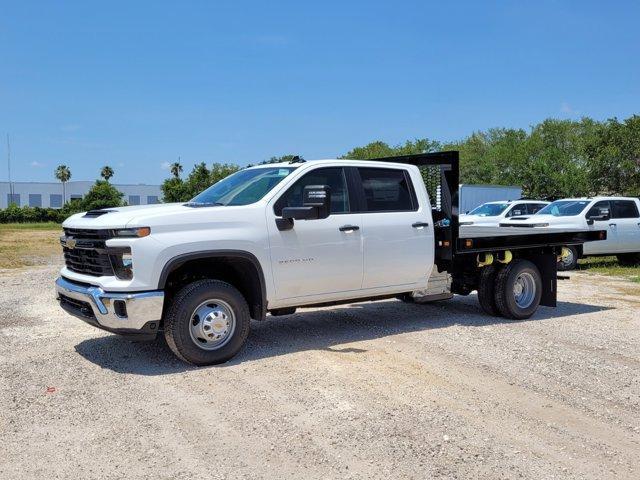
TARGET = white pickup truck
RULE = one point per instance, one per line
(620, 216)
(272, 238)
(493, 213)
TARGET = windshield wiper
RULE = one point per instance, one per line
(203, 204)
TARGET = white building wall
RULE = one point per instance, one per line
(74, 189)
(472, 196)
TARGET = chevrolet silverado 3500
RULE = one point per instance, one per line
(275, 237)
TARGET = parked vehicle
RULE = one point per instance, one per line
(492, 213)
(620, 216)
(272, 238)
(472, 196)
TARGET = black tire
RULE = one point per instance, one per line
(405, 297)
(629, 259)
(571, 262)
(177, 323)
(486, 290)
(504, 290)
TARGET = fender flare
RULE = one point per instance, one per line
(181, 259)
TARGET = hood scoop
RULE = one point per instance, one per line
(97, 213)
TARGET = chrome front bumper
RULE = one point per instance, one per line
(102, 309)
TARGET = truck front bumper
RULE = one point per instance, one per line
(133, 314)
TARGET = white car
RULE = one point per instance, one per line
(490, 214)
(620, 216)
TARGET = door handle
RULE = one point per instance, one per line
(613, 224)
(420, 225)
(349, 228)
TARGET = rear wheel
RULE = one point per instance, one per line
(486, 290)
(570, 261)
(629, 259)
(207, 323)
(518, 289)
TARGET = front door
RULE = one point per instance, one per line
(317, 257)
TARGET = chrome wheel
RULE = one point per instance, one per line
(567, 260)
(524, 290)
(212, 324)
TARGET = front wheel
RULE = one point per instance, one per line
(518, 289)
(569, 261)
(207, 322)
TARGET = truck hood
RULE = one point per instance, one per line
(569, 223)
(122, 217)
(479, 219)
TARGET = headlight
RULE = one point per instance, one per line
(122, 263)
(132, 232)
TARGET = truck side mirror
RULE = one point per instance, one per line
(316, 205)
(602, 215)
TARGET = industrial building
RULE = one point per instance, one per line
(50, 194)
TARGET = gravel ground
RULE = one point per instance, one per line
(376, 390)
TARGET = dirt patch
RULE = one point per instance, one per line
(375, 390)
(20, 247)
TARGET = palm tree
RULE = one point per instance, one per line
(106, 172)
(176, 169)
(63, 173)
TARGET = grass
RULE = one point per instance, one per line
(609, 266)
(30, 226)
(28, 244)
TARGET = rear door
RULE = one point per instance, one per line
(396, 227)
(624, 213)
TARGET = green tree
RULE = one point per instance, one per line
(615, 157)
(379, 149)
(106, 172)
(63, 174)
(173, 190)
(176, 169)
(102, 195)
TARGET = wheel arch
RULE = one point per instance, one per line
(240, 268)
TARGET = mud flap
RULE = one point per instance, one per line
(548, 266)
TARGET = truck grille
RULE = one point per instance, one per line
(85, 251)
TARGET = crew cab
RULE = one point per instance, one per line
(277, 237)
(492, 213)
(620, 216)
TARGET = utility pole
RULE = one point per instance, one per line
(9, 167)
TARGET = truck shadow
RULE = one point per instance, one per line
(324, 329)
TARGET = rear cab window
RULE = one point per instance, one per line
(387, 190)
(624, 209)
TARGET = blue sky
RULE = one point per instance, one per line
(138, 84)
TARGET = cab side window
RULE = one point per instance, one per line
(517, 210)
(624, 209)
(386, 190)
(334, 177)
(601, 208)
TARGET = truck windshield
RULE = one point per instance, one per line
(489, 209)
(241, 188)
(564, 208)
